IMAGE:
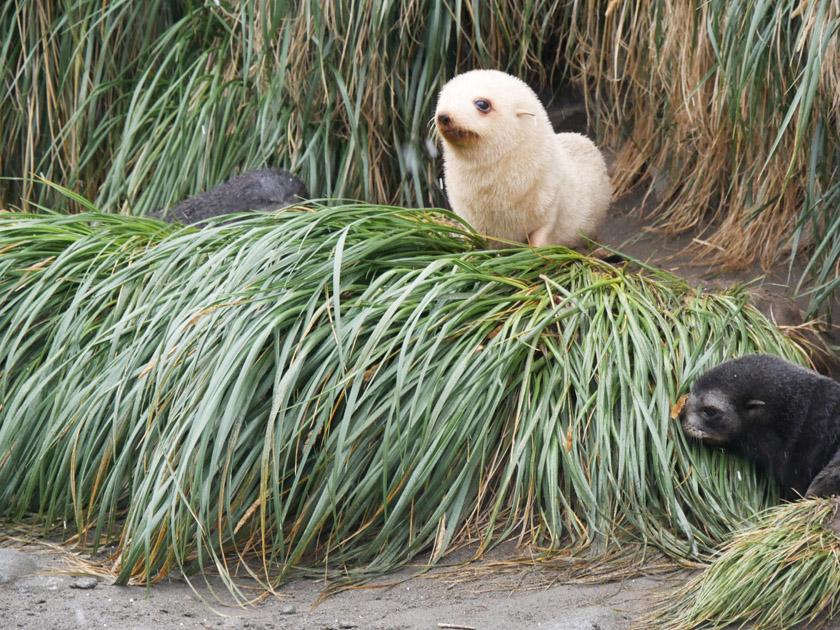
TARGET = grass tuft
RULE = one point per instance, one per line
(781, 571)
(727, 110)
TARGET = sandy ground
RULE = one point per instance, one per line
(36, 591)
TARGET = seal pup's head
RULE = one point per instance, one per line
(757, 397)
(488, 113)
(729, 401)
(783, 416)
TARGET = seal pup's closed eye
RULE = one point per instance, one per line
(778, 414)
(508, 174)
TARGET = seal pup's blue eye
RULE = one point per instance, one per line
(482, 105)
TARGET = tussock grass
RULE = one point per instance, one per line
(138, 107)
(730, 109)
(781, 571)
(344, 387)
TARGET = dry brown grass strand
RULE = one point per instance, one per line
(703, 117)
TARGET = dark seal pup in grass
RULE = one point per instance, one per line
(780, 415)
(261, 190)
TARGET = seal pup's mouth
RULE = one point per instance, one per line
(456, 134)
(703, 434)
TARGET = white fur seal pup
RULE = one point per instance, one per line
(784, 417)
(508, 174)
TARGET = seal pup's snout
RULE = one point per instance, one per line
(452, 130)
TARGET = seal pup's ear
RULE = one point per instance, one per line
(525, 112)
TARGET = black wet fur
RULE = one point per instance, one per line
(794, 435)
(260, 190)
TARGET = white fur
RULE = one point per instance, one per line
(514, 178)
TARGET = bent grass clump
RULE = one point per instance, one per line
(337, 389)
(781, 571)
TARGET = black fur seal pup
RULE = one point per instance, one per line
(784, 417)
(261, 190)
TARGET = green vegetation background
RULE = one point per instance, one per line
(730, 108)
